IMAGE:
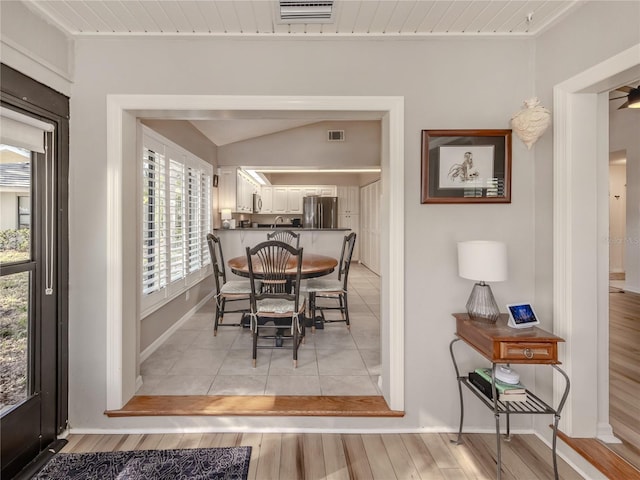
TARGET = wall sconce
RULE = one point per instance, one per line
(531, 122)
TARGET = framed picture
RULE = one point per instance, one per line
(466, 166)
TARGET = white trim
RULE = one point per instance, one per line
(114, 281)
(578, 290)
(18, 57)
(119, 324)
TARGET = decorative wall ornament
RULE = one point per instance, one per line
(531, 121)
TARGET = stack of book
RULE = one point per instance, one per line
(507, 392)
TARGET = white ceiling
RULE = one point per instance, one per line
(260, 18)
(408, 18)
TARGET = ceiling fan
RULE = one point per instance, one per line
(633, 97)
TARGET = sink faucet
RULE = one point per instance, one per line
(279, 218)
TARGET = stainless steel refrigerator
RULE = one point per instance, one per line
(320, 212)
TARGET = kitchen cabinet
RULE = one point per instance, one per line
(246, 187)
(287, 199)
(279, 204)
(327, 191)
(267, 199)
(309, 191)
(349, 200)
(370, 226)
(235, 190)
(294, 200)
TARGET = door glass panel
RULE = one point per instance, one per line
(14, 335)
(15, 204)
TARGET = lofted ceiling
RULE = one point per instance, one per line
(386, 18)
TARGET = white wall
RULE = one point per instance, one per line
(434, 77)
(308, 146)
(447, 84)
(34, 47)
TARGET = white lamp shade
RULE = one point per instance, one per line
(225, 214)
(482, 260)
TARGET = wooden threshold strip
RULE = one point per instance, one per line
(246, 405)
(604, 459)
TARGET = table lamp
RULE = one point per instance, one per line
(225, 215)
(482, 261)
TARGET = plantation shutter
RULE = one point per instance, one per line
(177, 218)
(154, 219)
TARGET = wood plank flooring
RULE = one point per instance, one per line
(256, 405)
(356, 456)
(624, 372)
(602, 457)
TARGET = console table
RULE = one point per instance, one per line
(501, 344)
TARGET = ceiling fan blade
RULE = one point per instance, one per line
(618, 98)
(625, 89)
(624, 105)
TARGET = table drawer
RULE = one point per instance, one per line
(535, 352)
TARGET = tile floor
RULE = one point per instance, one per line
(332, 361)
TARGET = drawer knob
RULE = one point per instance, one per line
(528, 353)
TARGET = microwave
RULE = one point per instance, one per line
(257, 203)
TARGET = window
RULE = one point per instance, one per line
(176, 217)
(24, 212)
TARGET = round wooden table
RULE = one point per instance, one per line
(313, 265)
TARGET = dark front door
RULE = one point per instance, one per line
(33, 277)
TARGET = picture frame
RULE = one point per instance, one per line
(466, 166)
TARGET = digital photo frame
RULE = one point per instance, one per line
(521, 315)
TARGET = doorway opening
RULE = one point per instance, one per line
(122, 312)
(580, 254)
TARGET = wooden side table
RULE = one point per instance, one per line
(501, 344)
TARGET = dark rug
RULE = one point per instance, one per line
(231, 463)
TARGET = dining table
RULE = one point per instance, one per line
(313, 265)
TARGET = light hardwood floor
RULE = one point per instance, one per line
(354, 456)
(624, 373)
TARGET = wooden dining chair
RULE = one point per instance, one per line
(286, 236)
(276, 304)
(332, 288)
(226, 291)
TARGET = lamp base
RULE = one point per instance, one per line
(481, 304)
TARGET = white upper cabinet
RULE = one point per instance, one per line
(294, 200)
(327, 190)
(236, 190)
(279, 204)
(266, 192)
(309, 191)
(349, 200)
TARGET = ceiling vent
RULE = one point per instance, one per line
(335, 135)
(306, 11)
